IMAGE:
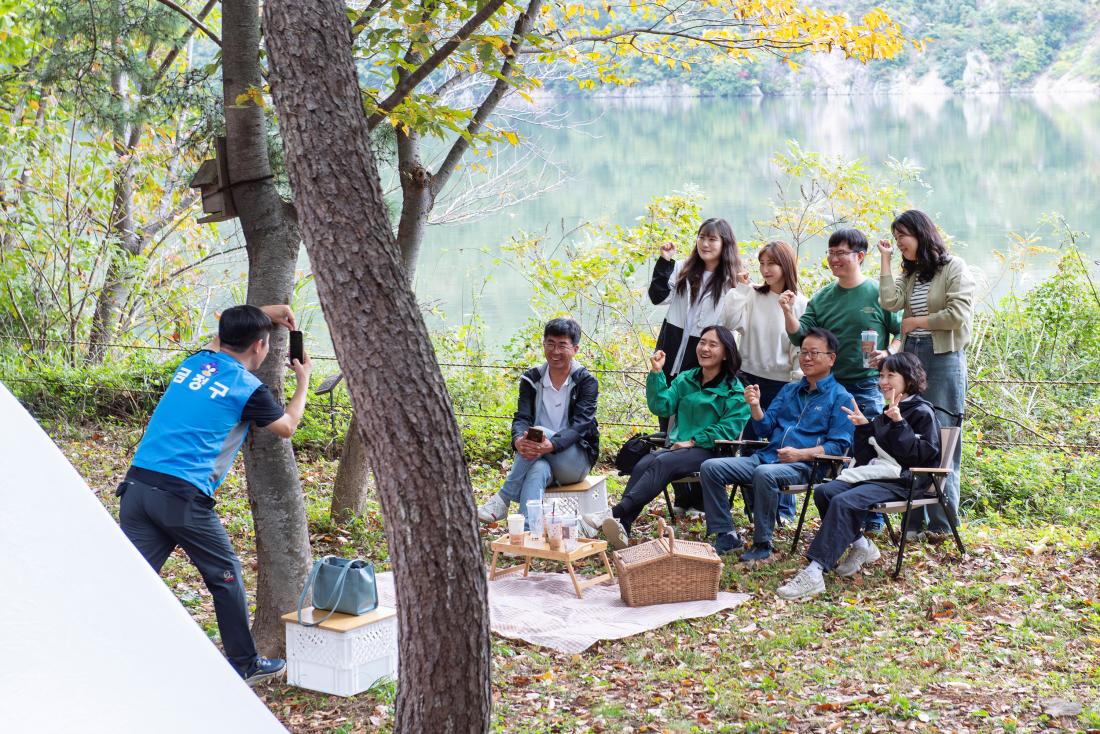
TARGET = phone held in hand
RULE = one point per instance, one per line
(534, 435)
(297, 347)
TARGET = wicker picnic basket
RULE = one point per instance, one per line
(667, 570)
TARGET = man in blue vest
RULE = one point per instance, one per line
(194, 435)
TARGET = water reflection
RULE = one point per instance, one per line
(994, 163)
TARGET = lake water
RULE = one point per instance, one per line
(995, 164)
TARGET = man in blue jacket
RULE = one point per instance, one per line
(803, 421)
(195, 433)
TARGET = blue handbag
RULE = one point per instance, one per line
(340, 585)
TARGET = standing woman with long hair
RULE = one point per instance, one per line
(768, 358)
(935, 291)
(693, 290)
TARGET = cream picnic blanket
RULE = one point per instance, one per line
(543, 610)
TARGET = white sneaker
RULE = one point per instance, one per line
(803, 586)
(856, 558)
(493, 510)
(595, 519)
(615, 533)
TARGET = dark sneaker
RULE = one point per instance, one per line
(874, 525)
(727, 543)
(759, 552)
(263, 669)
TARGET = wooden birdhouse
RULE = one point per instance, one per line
(212, 180)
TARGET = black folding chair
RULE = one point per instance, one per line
(949, 437)
(823, 468)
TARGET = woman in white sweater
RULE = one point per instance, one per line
(769, 359)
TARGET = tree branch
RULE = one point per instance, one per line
(369, 12)
(489, 104)
(194, 21)
(163, 68)
(409, 83)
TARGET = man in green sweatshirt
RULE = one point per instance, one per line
(848, 307)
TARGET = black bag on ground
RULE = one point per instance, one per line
(635, 448)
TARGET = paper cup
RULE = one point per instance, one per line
(515, 529)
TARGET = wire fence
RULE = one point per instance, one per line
(644, 420)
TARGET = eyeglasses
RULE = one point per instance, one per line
(811, 353)
(838, 254)
(557, 346)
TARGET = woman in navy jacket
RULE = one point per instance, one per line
(906, 434)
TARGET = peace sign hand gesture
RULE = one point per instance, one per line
(892, 411)
(855, 415)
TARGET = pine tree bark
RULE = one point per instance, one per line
(272, 239)
(349, 491)
(404, 416)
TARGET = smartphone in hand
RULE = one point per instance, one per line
(297, 347)
(534, 435)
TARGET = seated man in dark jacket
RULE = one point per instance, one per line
(803, 421)
(906, 434)
(557, 399)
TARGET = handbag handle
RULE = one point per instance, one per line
(339, 591)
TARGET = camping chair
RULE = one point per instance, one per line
(823, 468)
(722, 448)
(949, 437)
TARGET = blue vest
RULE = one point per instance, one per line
(196, 430)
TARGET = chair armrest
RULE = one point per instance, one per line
(735, 447)
(929, 470)
(660, 440)
(835, 459)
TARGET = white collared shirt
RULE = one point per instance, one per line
(555, 402)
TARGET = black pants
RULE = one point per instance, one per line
(843, 508)
(157, 521)
(651, 475)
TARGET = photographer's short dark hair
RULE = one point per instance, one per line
(241, 326)
(911, 370)
(563, 327)
(824, 335)
(856, 240)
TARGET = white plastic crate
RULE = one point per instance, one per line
(345, 655)
(582, 498)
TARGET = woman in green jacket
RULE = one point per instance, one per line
(708, 403)
(935, 291)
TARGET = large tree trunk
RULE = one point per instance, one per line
(403, 413)
(349, 491)
(270, 231)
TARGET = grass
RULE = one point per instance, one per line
(976, 643)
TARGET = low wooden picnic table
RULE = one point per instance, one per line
(586, 547)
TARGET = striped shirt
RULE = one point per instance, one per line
(918, 304)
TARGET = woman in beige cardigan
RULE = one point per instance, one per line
(936, 292)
